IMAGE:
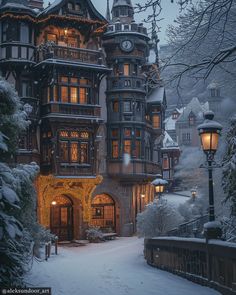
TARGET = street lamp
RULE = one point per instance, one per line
(209, 132)
(159, 184)
(193, 193)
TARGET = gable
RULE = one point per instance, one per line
(75, 8)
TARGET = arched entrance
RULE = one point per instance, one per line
(61, 218)
(104, 212)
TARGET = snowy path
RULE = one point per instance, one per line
(112, 268)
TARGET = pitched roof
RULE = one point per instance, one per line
(157, 95)
(57, 4)
(195, 108)
(16, 5)
(168, 141)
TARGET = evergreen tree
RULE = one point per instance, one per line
(229, 167)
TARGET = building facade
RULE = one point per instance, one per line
(96, 127)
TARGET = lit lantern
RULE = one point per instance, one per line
(159, 184)
(209, 132)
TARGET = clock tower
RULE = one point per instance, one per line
(130, 132)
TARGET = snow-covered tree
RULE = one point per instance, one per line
(229, 167)
(158, 218)
(18, 225)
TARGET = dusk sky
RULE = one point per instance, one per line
(169, 13)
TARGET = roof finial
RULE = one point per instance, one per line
(108, 16)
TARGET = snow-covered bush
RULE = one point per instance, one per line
(157, 219)
(193, 208)
(17, 195)
(94, 234)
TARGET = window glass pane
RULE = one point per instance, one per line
(83, 153)
(165, 163)
(74, 152)
(127, 132)
(126, 69)
(64, 79)
(156, 121)
(115, 149)
(137, 151)
(55, 94)
(127, 106)
(64, 134)
(115, 106)
(64, 94)
(24, 33)
(64, 151)
(74, 80)
(115, 132)
(84, 135)
(73, 95)
(138, 133)
(48, 94)
(74, 134)
(82, 95)
(127, 147)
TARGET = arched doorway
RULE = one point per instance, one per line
(61, 218)
(104, 212)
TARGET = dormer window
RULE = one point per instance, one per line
(192, 119)
(77, 7)
(70, 6)
(174, 115)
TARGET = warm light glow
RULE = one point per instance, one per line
(65, 31)
(159, 188)
(54, 203)
(142, 196)
(209, 141)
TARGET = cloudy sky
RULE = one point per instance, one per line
(169, 13)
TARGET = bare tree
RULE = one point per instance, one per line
(203, 38)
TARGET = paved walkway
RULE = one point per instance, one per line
(111, 268)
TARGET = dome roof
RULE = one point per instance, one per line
(122, 3)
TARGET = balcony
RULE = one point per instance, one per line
(71, 109)
(69, 54)
(137, 169)
(126, 83)
(17, 52)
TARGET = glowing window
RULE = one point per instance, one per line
(156, 121)
(64, 79)
(74, 152)
(64, 151)
(74, 134)
(115, 106)
(64, 133)
(82, 95)
(115, 132)
(127, 132)
(126, 69)
(115, 149)
(84, 153)
(84, 135)
(165, 162)
(64, 94)
(137, 151)
(73, 95)
(127, 147)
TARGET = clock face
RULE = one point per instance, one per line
(126, 45)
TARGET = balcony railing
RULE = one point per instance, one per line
(126, 83)
(17, 51)
(134, 169)
(71, 109)
(68, 53)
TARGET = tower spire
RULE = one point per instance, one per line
(108, 16)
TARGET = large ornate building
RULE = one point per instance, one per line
(96, 124)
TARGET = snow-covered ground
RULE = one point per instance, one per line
(111, 268)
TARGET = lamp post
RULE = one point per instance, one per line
(209, 132)
(193, 193)
(159, 184)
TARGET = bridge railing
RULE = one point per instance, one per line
(212, 264)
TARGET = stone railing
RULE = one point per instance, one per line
(212, 264)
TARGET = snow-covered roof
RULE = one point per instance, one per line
(157, 95)
(57, 4)
(168, 141)
(20, 6)
(122, 3)
(213, 85)
(195, 108)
